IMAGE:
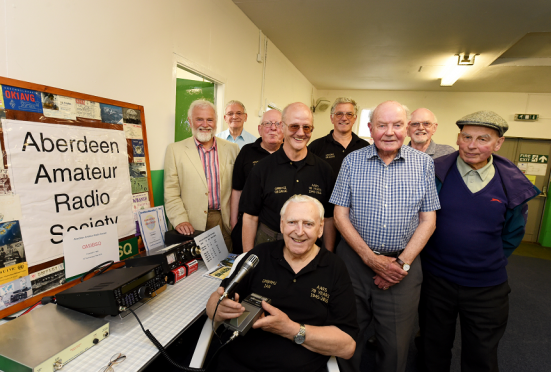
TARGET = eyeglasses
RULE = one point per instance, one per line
(307, 129)
(426, 124)
(348, 115)
(268, 124)
(115, 359)
(238, 113)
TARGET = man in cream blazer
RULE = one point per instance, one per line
(198, 176)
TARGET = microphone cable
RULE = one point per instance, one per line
(163, 351)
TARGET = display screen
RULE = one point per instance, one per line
(136, 283)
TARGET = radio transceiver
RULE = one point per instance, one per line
(170, 258)
(114, 291)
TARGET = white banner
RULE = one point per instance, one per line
(68, 178)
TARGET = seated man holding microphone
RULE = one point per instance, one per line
(312, 314)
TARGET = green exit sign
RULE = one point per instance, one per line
(533, 158)
(526, 117)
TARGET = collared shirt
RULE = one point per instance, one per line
(209, 160)
(477, 179)
(276, 178)
(247, 158)
(435, 150)
(385, 200)
(334, 152)
(320, 294)
(241, 140)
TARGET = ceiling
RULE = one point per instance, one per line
(404, 44)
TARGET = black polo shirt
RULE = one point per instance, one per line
(333, 152)
(276, 178)
(249, 155)
(321, 294)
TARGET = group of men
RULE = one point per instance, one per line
(419, 228)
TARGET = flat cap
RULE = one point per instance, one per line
(485, 119)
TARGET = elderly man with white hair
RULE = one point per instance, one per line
(312, 314)
(198, 176)
(385, 202)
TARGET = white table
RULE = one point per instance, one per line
(166, 316)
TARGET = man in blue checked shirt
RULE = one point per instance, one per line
(385, 201)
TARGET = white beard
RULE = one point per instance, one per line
(202, 136)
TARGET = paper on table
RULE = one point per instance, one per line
(213, 248)
(152, 227)
(87, 248)
(10, 208)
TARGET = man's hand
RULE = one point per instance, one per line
(228, 309)
(277, 322)
(381, 283)
(185, 228)
(385, 268)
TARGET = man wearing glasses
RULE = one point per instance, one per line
(422, 126)
(291, 170)
(385, 202)
(271, 137)
(236, 116)
(341, 141)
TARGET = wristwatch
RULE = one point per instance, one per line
(404, 265)
(301, 335)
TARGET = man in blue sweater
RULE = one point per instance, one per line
(482, 220)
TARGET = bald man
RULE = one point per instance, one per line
(293, 169)
(385, 202)
(421, 127)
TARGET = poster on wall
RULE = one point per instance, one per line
(22, 99)
(68, 178)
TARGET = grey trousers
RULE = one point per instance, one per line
(393, 312)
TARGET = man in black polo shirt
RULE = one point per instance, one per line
(312, 313)
(270, 141)
(291, 170)
(341, 141)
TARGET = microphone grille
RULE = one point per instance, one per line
(253, 260)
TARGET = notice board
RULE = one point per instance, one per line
(70, 161)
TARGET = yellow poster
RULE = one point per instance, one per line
(1, 98)
(10, 273)
(531, 178)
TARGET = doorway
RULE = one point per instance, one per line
(531, 156)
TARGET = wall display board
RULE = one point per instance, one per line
(70, 161)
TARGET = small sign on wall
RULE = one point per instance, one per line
(533, 158)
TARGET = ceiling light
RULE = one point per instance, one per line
(460, 64)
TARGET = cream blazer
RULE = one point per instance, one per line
(186, 192)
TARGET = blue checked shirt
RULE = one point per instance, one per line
(385, 200)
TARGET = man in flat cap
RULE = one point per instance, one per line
(482, 220)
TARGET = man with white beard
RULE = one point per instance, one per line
(198, 176)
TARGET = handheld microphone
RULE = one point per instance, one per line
(248, 265)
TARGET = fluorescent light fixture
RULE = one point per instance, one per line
(456, 67)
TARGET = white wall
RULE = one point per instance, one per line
(449, 107)
(125, 50)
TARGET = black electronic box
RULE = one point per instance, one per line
(169, 258)
(114, 291)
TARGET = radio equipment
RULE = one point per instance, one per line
(114, 291)
(253, 310)
(48, 338)
(170, 258)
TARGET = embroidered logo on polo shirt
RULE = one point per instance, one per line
(329, 156)
(497, 200)
(320, 293)
(280, 190)
(268, 283)
(314, 189)
(254, 162)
